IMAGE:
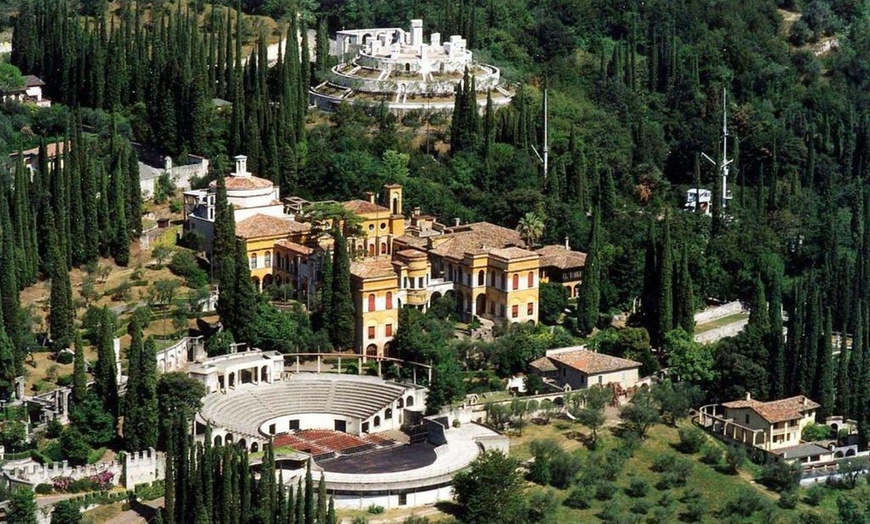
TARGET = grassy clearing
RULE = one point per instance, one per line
(716, 489)
(719, 322)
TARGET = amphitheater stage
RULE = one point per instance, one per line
(389, 460)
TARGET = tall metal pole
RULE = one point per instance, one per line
(724, 147)
(546, 137)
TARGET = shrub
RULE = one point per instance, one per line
(711, 454)
(691, 495)
(360, 520)
(65, 357)
(44, 489)
(744, 504)
(605, 490)
(780, 476)
(54, 428)
(637, 488)
(811, 517)
(788, 500)
(734, 457)
(563, 469)
(374, 509)
(691, 440)
(579, 498)
(611, 512)
(695, 511)
(815, 495)
(641, 507)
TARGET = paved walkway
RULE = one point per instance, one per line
(138, 515)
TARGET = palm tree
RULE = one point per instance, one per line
(531, 228)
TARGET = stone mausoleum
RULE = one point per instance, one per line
(400, 69)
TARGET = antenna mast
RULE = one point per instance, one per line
(546, 137)
(725, 162)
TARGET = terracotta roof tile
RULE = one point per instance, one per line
(591, 363)
(477, 237)
(267, 226)
(363, 206)
(513, 253)
(373, 268)
(295, 247)
(776, 410)
(411, 253)
(543, 364)
(244, 182)
(558, 256)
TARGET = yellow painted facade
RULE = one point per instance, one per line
(376, 296)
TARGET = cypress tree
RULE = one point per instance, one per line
(227, 494)
(810, 344)
(856, 364)
(589, 294)
(684, 296)
(291, 506)
(321, 48)
(80, 374)
(266, 501)
(774, 341)
(281, 515)
(310, 514)
(8, 365)
(132, 420)
(245, 296)
(666, 292)
(10, 302)
(326, 284)
(331, 518)
(105, 373)
(825, 379)
(759, 318)
(25, 227)
(300, 504)
(223, 253)
(321, 499)
(843, 386)
(61, 314)
(341, 321)
(607, 193)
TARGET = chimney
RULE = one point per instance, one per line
(241, 166)
(456, 222)
(748, 396)
(416, 212)
(370, 196)
(567, 245)
(806, 401)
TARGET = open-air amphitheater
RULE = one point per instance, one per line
(399, 69)
(368, 435)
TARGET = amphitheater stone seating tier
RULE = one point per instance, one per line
(247, 408)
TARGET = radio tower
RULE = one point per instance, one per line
(725, 162)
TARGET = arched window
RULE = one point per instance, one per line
(371, 302)
(389, 300)
(481, 276)
(516, 282)
(383, 248)
(371, 250)
(531, 279)
(267, 259)
(253, 261)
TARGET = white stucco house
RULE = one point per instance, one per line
(578, 368)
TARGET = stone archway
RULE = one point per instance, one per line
(371, 350)
(267, 281)
(255, 447)
(218, 441)
(480, 305)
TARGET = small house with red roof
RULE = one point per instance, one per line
(579, 368)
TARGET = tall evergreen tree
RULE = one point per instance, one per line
(321, 499)
(341, 321)
(105, 372)
(223, 253)
(843, 385)
(666, 281)
(825, 379)
(589, 295)
(310, 514)
(61, 315)
(80, 373)
(774, 341)
(684, 295)
(245, 298)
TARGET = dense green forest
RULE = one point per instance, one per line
(636, 95)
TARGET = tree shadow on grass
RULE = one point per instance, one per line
(449, 508)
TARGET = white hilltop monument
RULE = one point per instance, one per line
(400, 69)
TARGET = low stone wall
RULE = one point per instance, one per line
(713, 313)
(728, 330)
(136, 468)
